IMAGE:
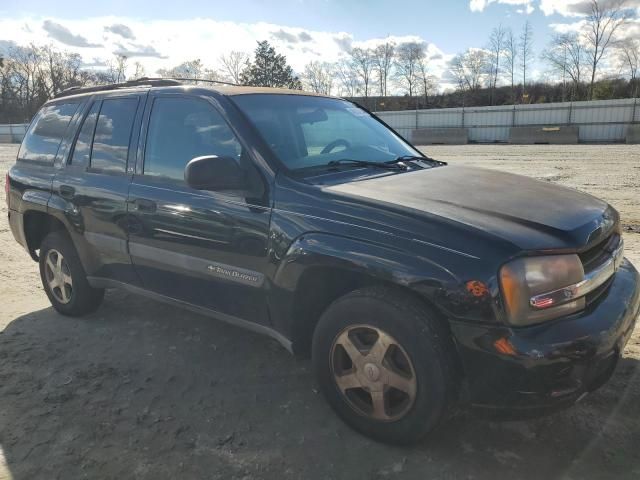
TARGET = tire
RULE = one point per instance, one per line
(77, 297)
(372, 319)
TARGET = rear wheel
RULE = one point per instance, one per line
(381, 361)
(64, 279)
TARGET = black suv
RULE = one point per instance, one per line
(415, 286)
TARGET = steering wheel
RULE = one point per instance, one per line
(340, 142)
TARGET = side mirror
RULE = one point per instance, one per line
(214, 173)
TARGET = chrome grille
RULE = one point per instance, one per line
(600, 253)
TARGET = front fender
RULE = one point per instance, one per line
(344, 264)
(368, 258)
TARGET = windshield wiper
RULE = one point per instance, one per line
(365, 163)
(408, 158)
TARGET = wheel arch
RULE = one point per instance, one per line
(41, 218)
(320, 268)
(37, 224)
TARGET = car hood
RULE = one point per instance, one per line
(531, 214)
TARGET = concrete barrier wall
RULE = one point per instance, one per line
(633, 134)
(13, 133)
(440, 136)
(597, 121)
(544, 135)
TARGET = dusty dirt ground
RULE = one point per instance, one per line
(143, 390)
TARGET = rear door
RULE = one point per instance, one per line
(203, 247)
(94, 184)
(34, 171)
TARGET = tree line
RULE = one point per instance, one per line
(574, 60)
(29, 76)
(388, 76)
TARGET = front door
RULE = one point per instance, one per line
(206, 248)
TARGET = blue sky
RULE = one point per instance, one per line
(450, 24)
(161, 33)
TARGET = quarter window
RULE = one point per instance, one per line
(181, 129)
(112, 135)
(46, 132)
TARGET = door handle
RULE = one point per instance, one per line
(67, 191)
(144, 205)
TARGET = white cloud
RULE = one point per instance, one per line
(477, 5)
(160, 44)
(574, 8)
(566, 8)
(166, 43)
(480, 5)
(630, 29)
(528, 10)
(575, 27)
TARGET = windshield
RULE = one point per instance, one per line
(306, 132)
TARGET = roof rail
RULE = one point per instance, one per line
(140, 82)
(221, 82)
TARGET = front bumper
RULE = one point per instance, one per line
(553, 364)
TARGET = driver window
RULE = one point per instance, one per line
(181, 129)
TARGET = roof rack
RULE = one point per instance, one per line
(140, 82)
(221, 82)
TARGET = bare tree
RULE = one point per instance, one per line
(348, 78)
(497, 44)
(407, 58)
(470, 69)
(526, 52)
(383, 56)
(140, 71)
(629, 58)
(233, 63)
(192, 69)
(362, 61)
(604, 20)
(426, 81)
(31, 75)
(22, 73)
(116, 71)
(319, 77)
(566, 56)
(211, 74)
(121, 68)
(58, 70)
(511, 54)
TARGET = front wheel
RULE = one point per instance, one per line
(64, 279)
(381, 360)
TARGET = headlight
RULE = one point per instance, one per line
(525, 280)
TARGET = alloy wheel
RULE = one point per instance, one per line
(373, 372)
(58, 276)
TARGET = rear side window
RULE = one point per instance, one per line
(46, 132)
(112, 134)
(82, 150)
(181, 129)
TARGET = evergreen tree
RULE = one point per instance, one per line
(269, 69)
